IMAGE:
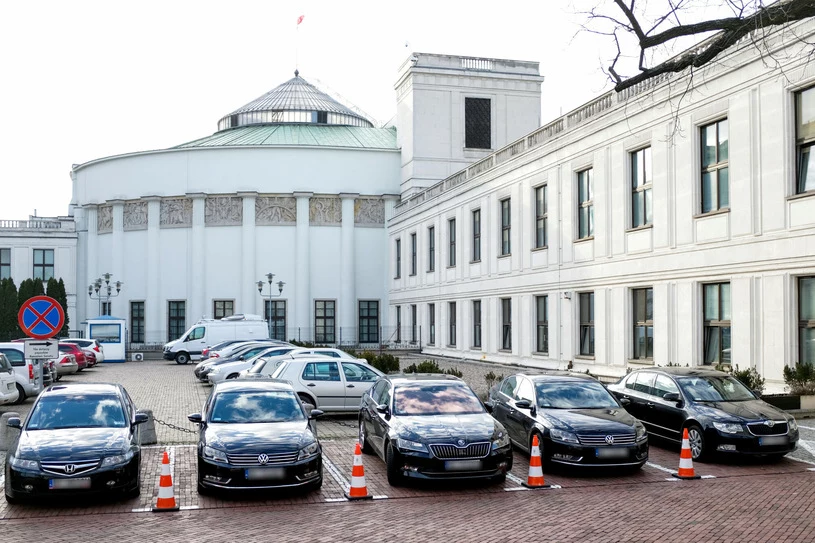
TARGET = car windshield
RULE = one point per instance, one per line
(714, 388)
(583, 395)
(435, 399)
(77, 411)
(256, 406)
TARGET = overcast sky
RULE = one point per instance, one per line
(88, 79)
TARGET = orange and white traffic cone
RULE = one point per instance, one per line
(686, 460)
(358, 490)
(166, 499)
(535, 478)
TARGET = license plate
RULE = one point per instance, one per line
(69, 484)
(612, 453)
(463, 465)
(773, 440)
(265, 474)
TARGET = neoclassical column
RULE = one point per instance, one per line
(348, 290)
(196, 271)
(248, 290)
(302, 280)
(390, 204)
(114, 265)
(153, 329)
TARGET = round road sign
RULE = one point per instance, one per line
(41, 317)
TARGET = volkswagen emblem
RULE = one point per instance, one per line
(263, 459)
(769, 423)
(70, 468)
(460, 442)
(609, 440)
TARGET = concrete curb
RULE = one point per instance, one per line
(147, 430)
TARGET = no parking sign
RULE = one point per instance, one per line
(41, 317)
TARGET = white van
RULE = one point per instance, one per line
(207, 332)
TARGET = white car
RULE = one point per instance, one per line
(232, 370)
(89, 345)
(8, 384)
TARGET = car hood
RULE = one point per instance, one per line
(258, 437)
(446, 428)
(749, 410)
(587, 421)
(72, 443)
(169, 344)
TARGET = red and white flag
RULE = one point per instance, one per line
(300, 19)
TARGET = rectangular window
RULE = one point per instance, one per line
(542, 327)
(277, 312)
(414, 326)
(506, 324)
(715, 175)
(477, 323)
(643, 303)
(136, 322)
(717, 323)
(431, 249)
(451, 323)
(541, 212)
(477, 235)
(413, 254)
(325, 320)
(431, 317)
(506, 227)
(451, 236)
(805, 139)
(398, 259)
(5, 263)
(477, 123)
(585, 204)
(223, 308)
(106, 308)
(586, 323)
(641, 182)
(398, 324)
(176, 319)
(43, 264)
(369, 321)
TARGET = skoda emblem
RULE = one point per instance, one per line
(770, 423)
(460, 442)
(263, 459)
(70, 468)
(609, 440)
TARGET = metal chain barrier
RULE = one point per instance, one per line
(173, 426)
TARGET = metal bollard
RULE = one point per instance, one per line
(7, 434)
(147, 435)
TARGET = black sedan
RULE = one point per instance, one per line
(78, 439)
(577, 421)
(719, 412)
(432, 427)
(256, 435)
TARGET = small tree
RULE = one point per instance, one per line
(56, 290)
(9, 329)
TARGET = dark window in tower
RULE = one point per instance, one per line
(477, 123)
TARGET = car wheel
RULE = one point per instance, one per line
(232, 376)
(182, 358)
(20, 395)
(306, 399)
(697, 442)
(12, 500)
(395, 477)
(363, 438)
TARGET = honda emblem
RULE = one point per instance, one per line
(70, 468)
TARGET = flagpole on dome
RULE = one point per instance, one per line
(297, 46)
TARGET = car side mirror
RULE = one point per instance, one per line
(523, 404)
(315, 413)
(14, 422)
(196, 418)
(141, 418)
(625, 402)
(489, 406)
(672, 397)
(382, 408)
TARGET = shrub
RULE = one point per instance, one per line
(304, 344)
(454, 371)
(428, 366)
(386, 363)
(750, 378)
(800, 379)
(492, 379)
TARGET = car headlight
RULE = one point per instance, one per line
(22, 463)
(562, 435)
(727, 427)
(215, 454)
(501, 441)
(309, 450)
(792, 424)
(212, 371)
(117, 459)
(407, 445)
(640, 429)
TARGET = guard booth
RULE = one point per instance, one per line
(111, 333)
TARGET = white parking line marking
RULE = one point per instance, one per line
(708, 476)
(514, 478)
(165, 446)
(806, 427)
(515, 489)
(188, 507)
(807, 446)
(800, 460)
(660, 468)
(383, 497)
(141, 510)
(336, 475)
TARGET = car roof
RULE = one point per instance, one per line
(408, 378)
(687, 371)
(82, 388)
(559, 376)
(249, 385)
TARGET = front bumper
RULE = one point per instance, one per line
(169, 355)
(751, 445)
(559, 452)
(228, 477)
(23, 484)
(418, 465)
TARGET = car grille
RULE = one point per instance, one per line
(600, 440)
(473, 450)
(761, 429)
(69, 468)
(252, 459)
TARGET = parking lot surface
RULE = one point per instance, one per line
(742, 501)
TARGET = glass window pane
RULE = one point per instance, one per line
(637, 213)
(38, 256)
(545, 198)
(725, 294)
(806, 309)
(583, 226)
(712, 344)
(711, 302)
(709, 200)
(646, 168)
(591, 220)
(805, 114)
(581, 187)
(49, 256)
(636, 169)
(807, 339)
(639, 342)
(590, 184)
(649, 342)
(724, 188)
(708, 145)
(723, 141)
(806, 169)
(725, 335)
(649, 206)
(649, 304)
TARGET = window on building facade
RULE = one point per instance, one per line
(477, 123)
(43, 264)
(586, 323)
(451, 237)
(398, 259)
(5, 263)
(413, 254)
(398, 324)
(223, 308)
(643, 302)
(431, 249)
(542, 324)
(717, 323)
(715, 175)
(451, 323)
(414, 326)
(106, 308)
(585, 204)
(506, 227)
(176, 319)
(805, 139)
(476, 235)
(431, 318)
(325, 321)
(276, 310)
(641, 182)
(136, 322)
(369, 321)
(806, 320)
(506, 324)
(541, 212)
(477, 323)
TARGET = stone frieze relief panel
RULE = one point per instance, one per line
(175, 212)
(275, 210)
(135, 215)
(223, 211)
(369, 211)
(104, 219)
(325, 210)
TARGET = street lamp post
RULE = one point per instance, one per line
(103, 289)
(269, 278)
